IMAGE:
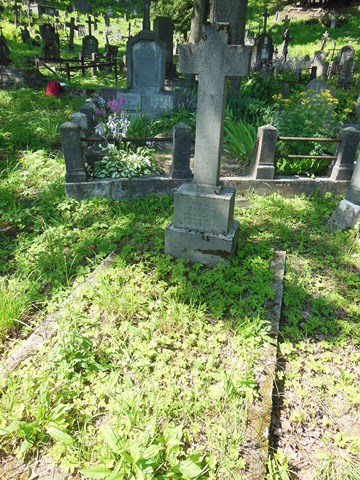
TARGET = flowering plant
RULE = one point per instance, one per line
(112, 119)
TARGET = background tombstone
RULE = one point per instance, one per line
(145, 62)
(263, 51)
(51, 41)
(90, 45)
(83, 6)
(319, 61)
(4, 51)
(346, 66)
(25, 35)
(204, 229)
(164, 29)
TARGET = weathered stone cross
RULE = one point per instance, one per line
(72, 28)
(214, 60)
(146, 19)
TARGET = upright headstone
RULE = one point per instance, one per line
(83, 6)
(347, 213)
(346, 66)
(164, 29)
(25, 35)
(145, 62)
(319, 61)
(90, 44)
(204, 229)
(4, 51)
(50, 40)
(263, 51)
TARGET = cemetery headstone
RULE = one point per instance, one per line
(263, 51)
(83, 6)
(50, 40)
(164, 29)
(25, 35)
(346, 66)
(4, 51)
(319, 61)
(90, 44)
(146, 58)
(204, 229)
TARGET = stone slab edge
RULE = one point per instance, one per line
(48, 327)
(256, 437)
(138, 187)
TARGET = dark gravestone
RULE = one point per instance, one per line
(83, 6)
(25, 35)
(90, 45)
(346, 66)
(146, 58)
(50, 40)
(164, 29)
(4, 51)
(263, 51)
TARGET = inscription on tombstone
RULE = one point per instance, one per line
(204, 229)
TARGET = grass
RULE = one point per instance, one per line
(91, 399)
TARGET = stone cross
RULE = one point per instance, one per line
(89, 22)
(146, 19)
(265, 15)
(325, 39)
(72, 28)
(213, 59)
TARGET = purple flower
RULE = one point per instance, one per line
(100, 112)
(115, 105)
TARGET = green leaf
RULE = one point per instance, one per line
(60, 435)
(189, 469)
(111, 439)
(96, 472)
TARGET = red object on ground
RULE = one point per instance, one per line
(53, 89)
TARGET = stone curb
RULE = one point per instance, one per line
(48, 327)
(256, 437)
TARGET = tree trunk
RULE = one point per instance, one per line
(198, 19)
(233, 12)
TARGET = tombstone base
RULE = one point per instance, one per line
(201, 210)
(207, 248)
(345, 216)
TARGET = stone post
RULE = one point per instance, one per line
(88, 110)
(353, 193)
(181, 151)
(264, 166)
(346, 154)
(347, 213)
(73, 154)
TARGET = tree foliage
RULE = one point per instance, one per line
(178, 10)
